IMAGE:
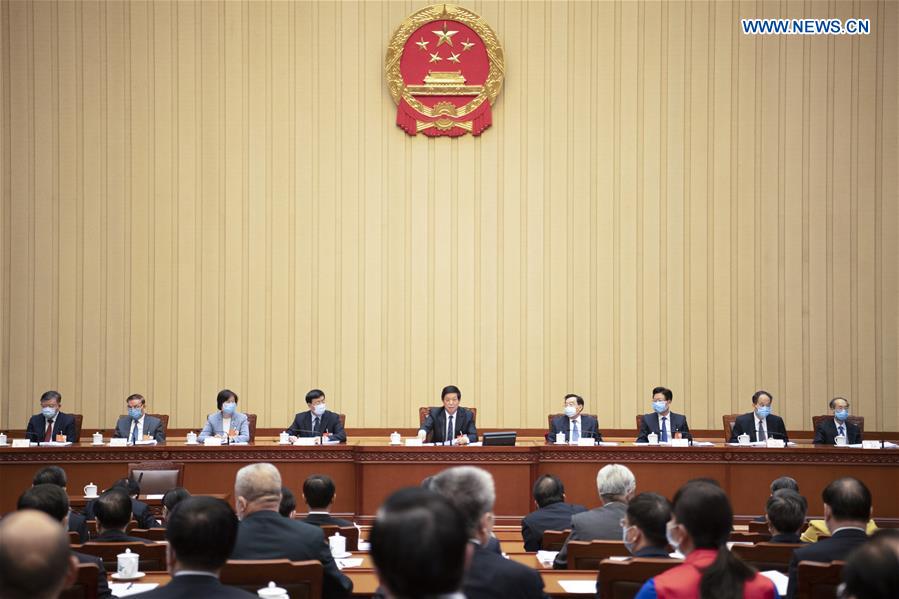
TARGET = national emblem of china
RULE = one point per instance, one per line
(444, 70)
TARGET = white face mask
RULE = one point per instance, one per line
(671, 541)
(627, 545)
(570, 411)
(319, 409)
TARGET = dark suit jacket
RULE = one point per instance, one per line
(492, 576)
(140, 511)
(556, 516)
(193, 586)
(589, 427)
(63, 424)
(117, 536)
(826, 433)
(326, 520)
(786, 538)
(650, 424)
(268, 535)
(653, 552)
(152, 427)
(103, 591)
(463, 424)
(837, 547)
(329, 423)
(745, 423)
(78, 523)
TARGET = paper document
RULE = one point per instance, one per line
(581, 587)
(350, 562)
(608, 443)
(779, 579)
(546, 557)
(703, 444)
(125, 589)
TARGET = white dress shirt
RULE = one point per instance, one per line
(760, 422)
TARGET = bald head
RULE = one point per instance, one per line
(256, 488)
(35, 560)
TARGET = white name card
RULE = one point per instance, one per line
(775, 443)
(413, 442)
(586, 442)
(117, 442)
(212, 441)
(870, 444)
(21, 443)
(682, 442)
(306, 441)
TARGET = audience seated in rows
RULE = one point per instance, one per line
(264, 534)
(700, 526)
(55, 475)
(785, 513)
(644, 525)
(471, 490)
(872, 570)
(288, 505)
(35, 559)
(615, 484)
(319, 493)
(552, 512)
(139, 510)
(53, 501)
(171, 498)
(847, 509)
(419, 546)
(113, 513)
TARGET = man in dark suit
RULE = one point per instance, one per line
(35, 559)
(663, 422)
(113, 512)
(471, 490)
(137, 425)
(847, 508)
(827, 430)
(264, 534)
(616, 485)
(140, 511)
(201, 533)
(785, 513)
(317, 421)
(760, 424)
(51, 423)
(451, 423)
(552, 513)
(54, 475)
(53, 501)
(573, 424)
(318, 493)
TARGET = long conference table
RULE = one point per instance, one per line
(367, 471)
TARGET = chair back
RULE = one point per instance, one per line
(342, 418)
(728, 420)
(553, 540)
(301, 580)
(79, 419)
(74, 537)
(818, 579)
(586, 555)
(623, 579)
(85, 585)
(749, 537)
(761, 527)
(350, 532)
(639, 419)
(152, 556)
(164, 418)
(151, 534)
(251, 425)
(767, 556)
(156, 477)
(858, 421)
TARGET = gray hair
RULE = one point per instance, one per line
(469, 489)
(615, 481)
(258, 481)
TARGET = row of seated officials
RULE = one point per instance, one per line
(450, 423)
(437, 540)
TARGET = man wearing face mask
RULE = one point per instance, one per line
(644, 524)
(760, 424)
(573, 424)
(227, 424)
(663, 422)
(828, 430)
(138, 425)
(50, 424)
(318, 421)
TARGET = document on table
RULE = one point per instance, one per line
(350, 562)
(581, 587)
(546, 557)
(125, 589)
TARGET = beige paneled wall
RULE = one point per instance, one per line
(213, 194)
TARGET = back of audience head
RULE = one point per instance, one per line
(703, 519)
(319, 491)
(113, 509)
(647, 515)
(35, 559)
(257, 487)
(201, 533)
(288, 504)
(53, 475)
(784, 482)
(472, 492)
(419, 545)
(548, 490)
(872, 570)
(47, 498)
(615, 482)
(785, 511)
(846, 500)
(173, 497)
(131, 486)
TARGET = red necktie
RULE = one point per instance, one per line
(48, 435)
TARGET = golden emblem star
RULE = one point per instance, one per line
(435, 57)
(467, 45)
(444, 36)
(422, 44)
(454, 58)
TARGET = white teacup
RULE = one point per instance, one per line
(272, 591)
(743, 439)
(652, 438)
(560, 437)
(283, 438)
(98, 438)
(90, 490)
(127, 564)
(2, 438)
(395, 438)
(337, 544)
(840, 441)
(191, 437)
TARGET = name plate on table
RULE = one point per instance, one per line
(682, 442)
(21, 443)
(413, 442)
(586, 442)
(870, 444)
(306, 441)
(212, 441)
(117, 442)
(775, 443)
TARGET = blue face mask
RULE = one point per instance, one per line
(135, 413)
(841, 415)
(659, 406)
(229, 408)
(319, 409)
(763, 411)
(48, 412)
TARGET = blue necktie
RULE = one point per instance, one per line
(664, 436)
(134, 433)
(450, 429)
(575, 435)
(842, 431)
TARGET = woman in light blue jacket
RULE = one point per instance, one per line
(227, 422)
